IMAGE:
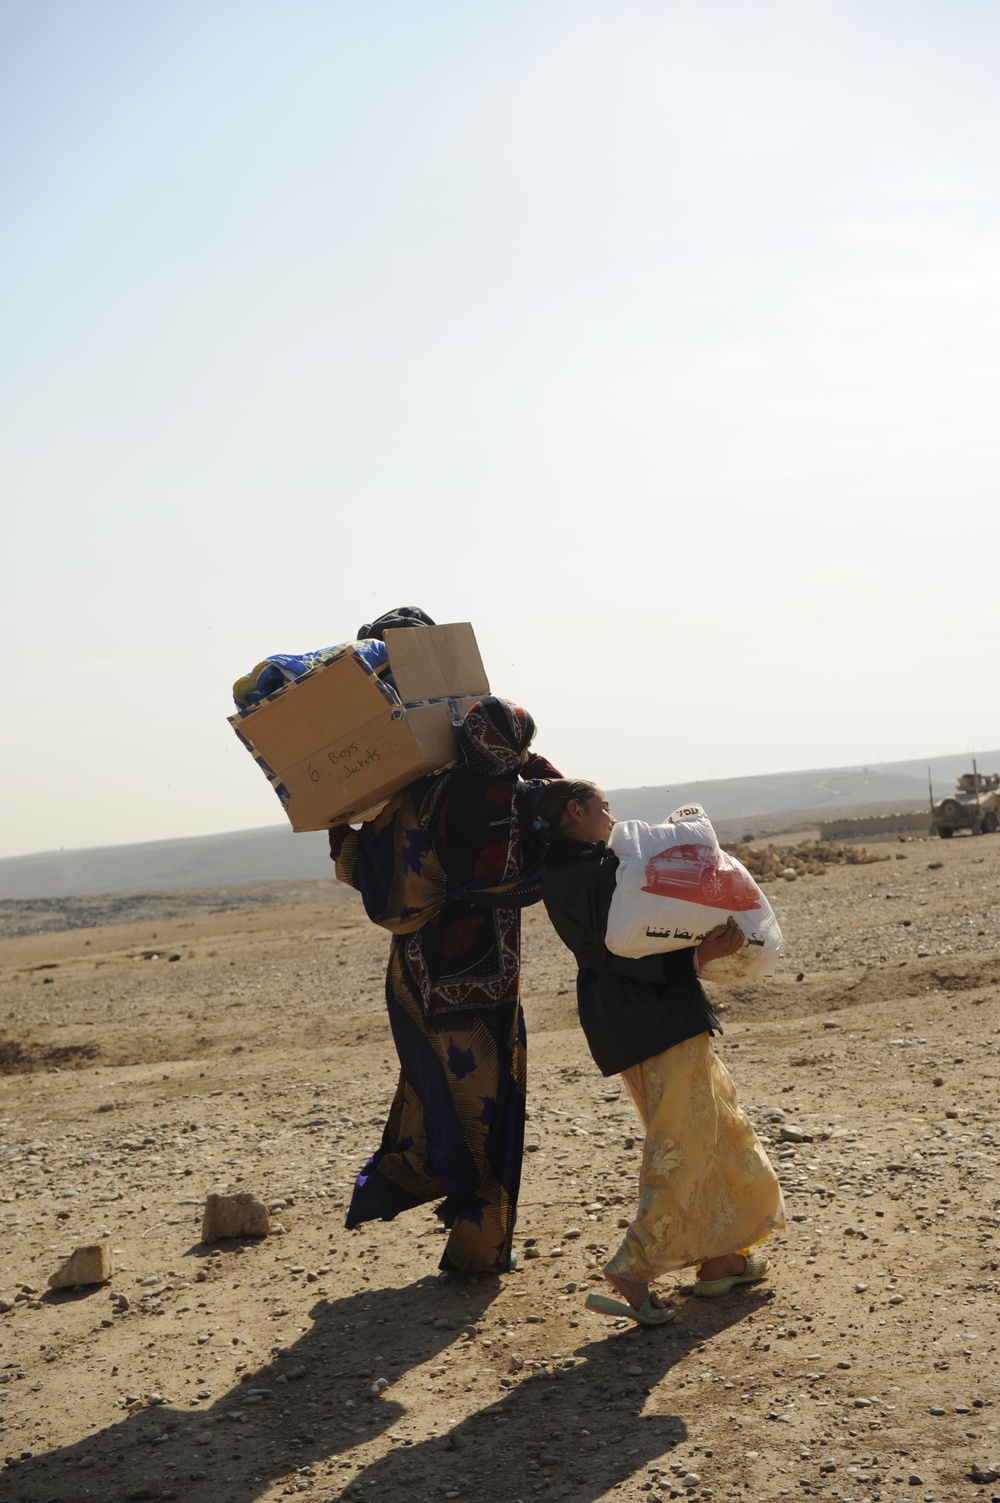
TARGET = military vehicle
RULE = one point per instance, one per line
(974, 806)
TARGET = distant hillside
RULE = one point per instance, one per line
(900, 784)
(275, 854)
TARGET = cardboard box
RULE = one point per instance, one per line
(336, 744)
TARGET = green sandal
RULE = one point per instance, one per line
(756, 1269)
(649, 1313)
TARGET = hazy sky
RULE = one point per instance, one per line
(657, 339)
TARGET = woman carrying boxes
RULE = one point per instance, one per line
(447, 867)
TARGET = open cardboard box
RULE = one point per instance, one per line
(336, 744)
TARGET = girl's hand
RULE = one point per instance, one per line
(724, 940)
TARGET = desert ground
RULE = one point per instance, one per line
(167, 1047)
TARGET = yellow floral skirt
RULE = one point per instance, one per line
(706, 1186)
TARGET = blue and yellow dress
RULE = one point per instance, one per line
(446, 868)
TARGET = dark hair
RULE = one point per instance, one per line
(554, 799)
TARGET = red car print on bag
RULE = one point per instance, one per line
(699, 874)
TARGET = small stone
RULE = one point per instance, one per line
(5, 1305)
(205, 1438)
(860, 1288)
(571, 1233)
(828, 1466)
(690, 1479)
(241, 1215)
(935, 1409)
(788, 1133)
(378, 1386)
(984, 1473)
(938, 1080)
(916, 1480)
(862, 1403)
(90, 1264)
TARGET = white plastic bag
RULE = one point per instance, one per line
(674, 883)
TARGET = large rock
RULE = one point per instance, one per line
(241, 1215)
(92, 1264)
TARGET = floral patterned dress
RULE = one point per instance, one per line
(706, 1185)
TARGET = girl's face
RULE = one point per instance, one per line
(590, 820)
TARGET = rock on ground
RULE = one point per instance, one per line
(91, 1264)
(241, 1215)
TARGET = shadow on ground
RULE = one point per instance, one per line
(305, 1421)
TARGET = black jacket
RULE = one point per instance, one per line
(629, 1009)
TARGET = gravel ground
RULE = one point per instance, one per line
(148, 1062)
(19, 916)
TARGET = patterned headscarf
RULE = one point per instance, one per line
(494, 734)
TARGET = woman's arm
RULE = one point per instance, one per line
(391, 863)
(537, 766)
